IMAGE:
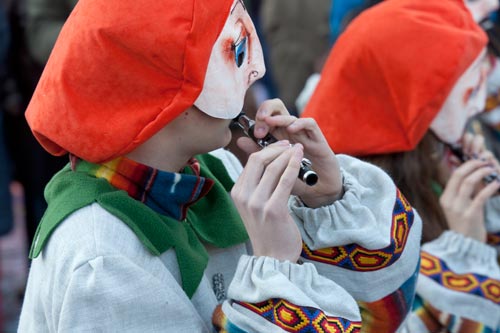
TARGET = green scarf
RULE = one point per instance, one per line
(212, 219)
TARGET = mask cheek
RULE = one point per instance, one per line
(221, 106)
(449, 124)
(481, 103)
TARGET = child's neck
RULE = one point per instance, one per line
(171, 159)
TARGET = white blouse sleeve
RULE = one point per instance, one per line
(459, 282)
(368, 242)
(267, 295)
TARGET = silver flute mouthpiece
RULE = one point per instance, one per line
(306, 173)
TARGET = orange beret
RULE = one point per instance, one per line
(390, 72)
(120, 71)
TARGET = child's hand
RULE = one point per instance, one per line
(273, 117)
(261, 196)
(464, 198)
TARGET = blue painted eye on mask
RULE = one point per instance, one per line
(240, 51)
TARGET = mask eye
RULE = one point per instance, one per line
(240, 50)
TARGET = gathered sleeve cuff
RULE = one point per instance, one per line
(268, 295)
(369, 240)
(460, 276)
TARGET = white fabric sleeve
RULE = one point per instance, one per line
(267, 295)
(369, 240)
(113, 294)
(460, 279)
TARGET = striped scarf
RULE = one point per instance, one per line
(167, 193)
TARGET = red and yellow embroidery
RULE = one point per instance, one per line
(358, 258)
(437, 270)
(298, 319)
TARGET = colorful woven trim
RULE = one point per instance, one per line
(167, 193)
(358, 258)
(388, 313)
(438, 321)
(474, 284)
(297, 319)
(222, 324)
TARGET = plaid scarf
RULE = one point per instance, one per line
(167, 193)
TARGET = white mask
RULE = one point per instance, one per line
(236, 62)
(466, 99)
(481, 9)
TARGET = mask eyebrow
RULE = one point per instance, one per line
(236, 4)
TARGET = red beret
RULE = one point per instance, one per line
(120, 71)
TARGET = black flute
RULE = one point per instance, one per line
(306, 173)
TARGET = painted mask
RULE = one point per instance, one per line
(480, 9)
(235, 63)
(466, 99)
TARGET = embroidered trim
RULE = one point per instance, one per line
(221, 324)
(358, 258)
(294, 318)
(475, 284)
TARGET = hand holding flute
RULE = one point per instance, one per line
(306, 173)
(273, 122)
(269, 177)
